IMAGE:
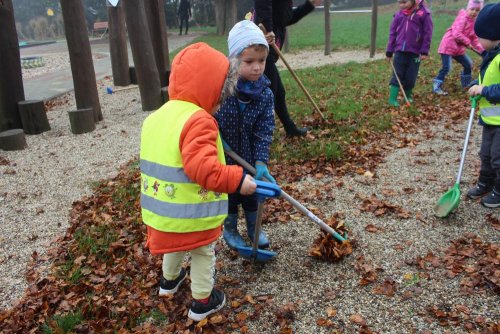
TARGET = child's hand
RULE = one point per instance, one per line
(476, 90)
(423, 57)
(248, 186)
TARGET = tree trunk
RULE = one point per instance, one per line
(155, 12)
(80, 56)
(11, 79)
(142, 52)
(220, 16)
(118, 45)
(231, 14)
(373, 38)
(328, 30)
(225, 15)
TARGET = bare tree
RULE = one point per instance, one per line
(225, 15)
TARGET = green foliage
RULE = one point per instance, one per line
(62, 323)
(95, 240)
(155, 316)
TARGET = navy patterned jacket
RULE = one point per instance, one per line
(249, 130)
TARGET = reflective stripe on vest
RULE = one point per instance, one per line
(490, 113)
(170, 201)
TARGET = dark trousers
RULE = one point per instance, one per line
(280, 108)
(182, 20)
(249, 203)
(490, 156)
(407, 65)
(463, 60)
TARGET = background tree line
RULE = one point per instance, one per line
(42, 19)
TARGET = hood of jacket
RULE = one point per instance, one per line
(197, 76)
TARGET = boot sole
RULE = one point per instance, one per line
(491, 206)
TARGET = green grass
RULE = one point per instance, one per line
(352, 31)
(95, 240)
(62, 323)
(155, 316)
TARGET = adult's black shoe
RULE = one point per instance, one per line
(296, 132)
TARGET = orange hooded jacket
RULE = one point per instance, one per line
(197, 76)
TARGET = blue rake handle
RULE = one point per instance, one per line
(287, 197)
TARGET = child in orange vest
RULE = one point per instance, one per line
(181, 153)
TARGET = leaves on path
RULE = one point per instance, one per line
(326, 247)
(379, 207)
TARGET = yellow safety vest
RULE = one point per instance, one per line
(490, 113)
(170, 201)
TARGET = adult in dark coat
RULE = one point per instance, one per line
(184, 14)
(276, 15)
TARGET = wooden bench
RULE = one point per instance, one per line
(101, 27)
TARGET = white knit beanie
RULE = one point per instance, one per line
(244, 34)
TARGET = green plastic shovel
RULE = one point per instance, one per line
(451, 199)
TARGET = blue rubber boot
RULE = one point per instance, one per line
(231, 236)
(251, 217)
(436, 87)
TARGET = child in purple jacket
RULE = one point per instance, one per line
(409, 42)
(457, 39)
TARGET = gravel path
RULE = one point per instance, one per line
(39, 184)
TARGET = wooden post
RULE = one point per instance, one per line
(133, 75)
(328, 30)
(143, 54)
(12, 140)
(118, 45)
(80, 57)
(373, 39)
(33, 116)
(81, 120)
(11, 80)
(155, 12)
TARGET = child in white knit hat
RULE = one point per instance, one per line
(246, 123)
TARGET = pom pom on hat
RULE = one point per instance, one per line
(475, 4)
(244, 34)
(486, 25)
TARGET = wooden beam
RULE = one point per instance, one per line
(80, 56)
(118, 47)
(143, 54)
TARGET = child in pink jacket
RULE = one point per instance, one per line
(457, 39)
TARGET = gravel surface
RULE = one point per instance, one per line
(39, 184)
(426, 171)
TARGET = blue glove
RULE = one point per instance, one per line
(262, 172)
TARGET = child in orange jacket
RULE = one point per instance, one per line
(184, 179)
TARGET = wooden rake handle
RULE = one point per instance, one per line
(278, 51)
